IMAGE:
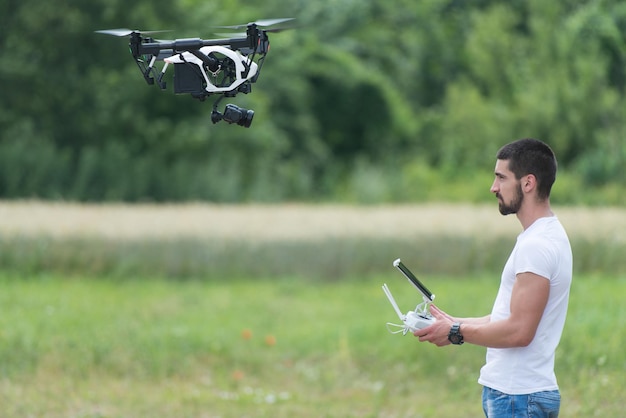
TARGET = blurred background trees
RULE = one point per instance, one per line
(366, 101)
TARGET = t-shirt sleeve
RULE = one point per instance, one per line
(536, 256)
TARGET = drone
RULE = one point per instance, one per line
(206, 67)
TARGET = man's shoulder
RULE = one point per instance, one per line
(545, 229)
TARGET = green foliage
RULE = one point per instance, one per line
(358, 100)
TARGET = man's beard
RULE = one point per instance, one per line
(515, 204)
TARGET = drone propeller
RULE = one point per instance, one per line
(126, 32)
(264, 23)
(276, 30)
(271, 22)
(229, 35)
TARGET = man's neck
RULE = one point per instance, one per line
(528, 214)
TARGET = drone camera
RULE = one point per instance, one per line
(233, 114)
(239, 115)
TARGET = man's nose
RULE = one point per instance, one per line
(494, 187)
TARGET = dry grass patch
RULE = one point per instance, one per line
(319, 241)
(287, 221)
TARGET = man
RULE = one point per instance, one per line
(525, 325)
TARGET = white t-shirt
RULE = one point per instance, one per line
(542, 249)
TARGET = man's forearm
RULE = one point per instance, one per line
(474, 321)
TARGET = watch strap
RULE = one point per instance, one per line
(455, 336)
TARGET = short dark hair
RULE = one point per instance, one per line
(531, 156)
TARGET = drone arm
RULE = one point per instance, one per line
(192, 44)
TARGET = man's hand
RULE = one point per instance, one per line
(436, 333)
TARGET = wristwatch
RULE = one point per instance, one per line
(455, 336)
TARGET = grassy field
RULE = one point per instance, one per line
(276, 311)
(83, 347)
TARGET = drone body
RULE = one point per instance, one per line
(202, 68)
(213, 81)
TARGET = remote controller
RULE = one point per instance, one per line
(415, 321)
(420, 317)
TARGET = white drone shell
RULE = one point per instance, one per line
(235, 56)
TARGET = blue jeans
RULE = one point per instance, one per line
(534, 405)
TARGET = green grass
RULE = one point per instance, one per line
(96, 347)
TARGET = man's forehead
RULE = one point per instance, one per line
(502, 166)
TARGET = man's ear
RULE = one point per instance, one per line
(529, 183)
